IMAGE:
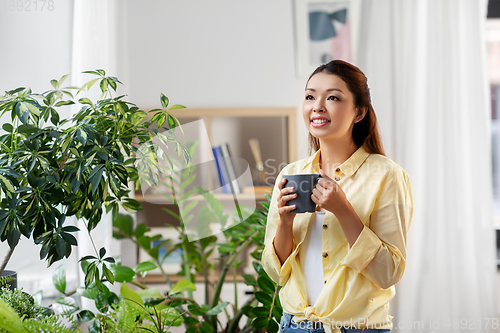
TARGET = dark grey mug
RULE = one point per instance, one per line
(304, 185)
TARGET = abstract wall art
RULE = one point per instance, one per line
(323, 33)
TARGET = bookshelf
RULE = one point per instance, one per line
(275, 128)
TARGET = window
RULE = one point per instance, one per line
(493, 55)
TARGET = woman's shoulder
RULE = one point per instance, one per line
(383, 165)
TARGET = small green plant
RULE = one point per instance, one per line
(11, 322)
(4, 280)
(23, 303)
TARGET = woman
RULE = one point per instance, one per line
(338, 266)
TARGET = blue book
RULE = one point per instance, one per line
(222, 170)
(230, 168)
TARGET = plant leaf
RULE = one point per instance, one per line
(82, 136)
(7, 185)
(164, 101)
(171, 121)
(265, 284)
(108, 274)
(150, 293)
(104, 85)
(102, 252)
(69, 305)
(217, 309)
(127, 293)
(62, 79)
(85, 315)
(145, 267)
(182, 285)
(22, 112)
(59, 278)
(60, 246)
(122, 273)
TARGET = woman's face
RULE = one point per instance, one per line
(328, 109)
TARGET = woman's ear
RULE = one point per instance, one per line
(361, 115)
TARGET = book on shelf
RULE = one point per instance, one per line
(230, 168)
(221, 170)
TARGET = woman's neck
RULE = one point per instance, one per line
(334, 155)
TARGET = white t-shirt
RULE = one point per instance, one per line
(311, 257)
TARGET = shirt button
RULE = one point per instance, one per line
(325, 281)
(325, 226)
(325, 254)
(337, 170)
(337, 178)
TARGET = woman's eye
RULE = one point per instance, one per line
(333, 98)
(308, 97)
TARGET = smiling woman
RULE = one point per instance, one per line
(338, 265)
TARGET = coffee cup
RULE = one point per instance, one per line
(303, 185)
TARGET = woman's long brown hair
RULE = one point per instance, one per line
(365, 132)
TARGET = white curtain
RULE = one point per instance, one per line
(426, 66)
(97, 42)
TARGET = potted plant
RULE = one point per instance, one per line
(8, 279)
(53, 168)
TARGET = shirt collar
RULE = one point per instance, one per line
(349, 167)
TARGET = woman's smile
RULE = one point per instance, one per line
(319, 121)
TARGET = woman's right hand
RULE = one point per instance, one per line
(284, 196)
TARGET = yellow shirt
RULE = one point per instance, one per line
(359, 281)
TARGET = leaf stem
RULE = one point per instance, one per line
(6, 259)
(272, 304)
(235, 289)
(91, 239)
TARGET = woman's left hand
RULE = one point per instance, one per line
(329, 195)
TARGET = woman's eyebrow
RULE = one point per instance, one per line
(331, 89)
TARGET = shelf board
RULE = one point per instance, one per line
(224, 197)
(156, 278)
(235, 112)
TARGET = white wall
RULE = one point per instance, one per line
(219, 53)
(36, 45)
(212, 53)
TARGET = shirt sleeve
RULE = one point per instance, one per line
(379, 253)
(270, 261)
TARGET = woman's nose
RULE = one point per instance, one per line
(318, 106)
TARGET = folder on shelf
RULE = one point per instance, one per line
(222, 170)
(230, 168)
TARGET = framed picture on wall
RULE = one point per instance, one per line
(171, 264)
(322, 33)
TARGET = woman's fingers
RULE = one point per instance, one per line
(285, 209)
(286, 198)
(286, 194)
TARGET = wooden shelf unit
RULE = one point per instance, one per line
(286, 115)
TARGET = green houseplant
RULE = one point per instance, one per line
(52, 168)
(81, 166)
(263, 309)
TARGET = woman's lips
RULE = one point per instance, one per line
(321, 124)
